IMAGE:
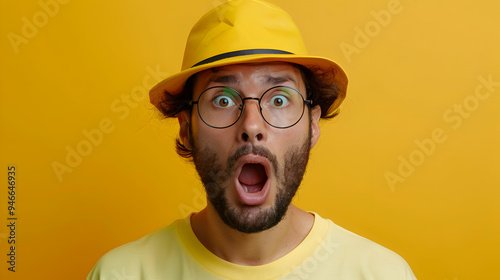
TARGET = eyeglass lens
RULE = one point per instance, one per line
(221, 107)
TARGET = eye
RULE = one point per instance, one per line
(279, 101)
(223, 101)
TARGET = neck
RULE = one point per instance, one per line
(254, 248)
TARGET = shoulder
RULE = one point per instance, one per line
(361, 246)
(132, 258)
(356, 253)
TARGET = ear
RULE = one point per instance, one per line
(315, 131)
(184, 119)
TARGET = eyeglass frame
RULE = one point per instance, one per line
(242, 105)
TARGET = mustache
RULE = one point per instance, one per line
(252, 149)
(214, 175)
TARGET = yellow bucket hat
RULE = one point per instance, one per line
(245, 31)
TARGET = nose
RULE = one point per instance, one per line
(252, 127)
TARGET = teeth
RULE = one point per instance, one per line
(245, 188)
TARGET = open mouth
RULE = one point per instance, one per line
(252, 177)
(253, 182)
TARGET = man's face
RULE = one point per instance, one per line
(250, 170)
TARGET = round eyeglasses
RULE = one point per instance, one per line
(280, 106)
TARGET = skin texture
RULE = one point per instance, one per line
(259, 233)
(250, 218)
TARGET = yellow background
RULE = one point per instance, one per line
(87, 59)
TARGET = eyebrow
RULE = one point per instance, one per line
(275, 80)
(233, 80)
(225, 79)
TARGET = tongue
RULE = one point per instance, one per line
(252, 175)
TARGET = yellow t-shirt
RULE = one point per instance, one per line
(328, 252)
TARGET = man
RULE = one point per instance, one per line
(248, 101)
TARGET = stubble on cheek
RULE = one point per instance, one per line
(210, 170)
(296, 160)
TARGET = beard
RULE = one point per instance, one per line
(251, 219)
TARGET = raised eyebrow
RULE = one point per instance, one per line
(225, 79)
(276, 80)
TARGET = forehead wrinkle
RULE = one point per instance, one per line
(263, 76)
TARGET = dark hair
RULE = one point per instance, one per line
(319, 83)
(174, 103)
(321, 89)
